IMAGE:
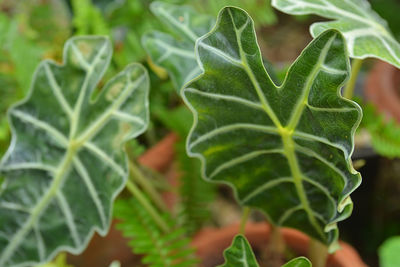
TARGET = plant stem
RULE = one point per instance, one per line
(143, 181)
(355, 70)
(243, 221)
(147, 205)
(317, 253)
(276, 243)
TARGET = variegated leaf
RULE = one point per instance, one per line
(176, 53)
(65, 164)
(366, 33)
(284, 149)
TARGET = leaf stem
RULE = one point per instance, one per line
(317, 253)
(138, 177)
(147, 205)
(355, 70)
(276, 243)
(243, 221)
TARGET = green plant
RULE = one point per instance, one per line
(285, 149)
(389, 252)
(162, 248)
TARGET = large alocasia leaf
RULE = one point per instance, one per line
(285, 149)
(176, 53)
(65, 164)
(240, 254)
(366, 33)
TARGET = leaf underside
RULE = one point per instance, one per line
(175, 52)
(285, 150)
(240, 254)
(366, 33)
(65, 164)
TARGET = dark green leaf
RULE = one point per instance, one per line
(285, 150)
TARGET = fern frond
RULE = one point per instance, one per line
(385, 135)
(159, 249)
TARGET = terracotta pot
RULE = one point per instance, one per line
(101, 251)
(383, 89)
(210, 244)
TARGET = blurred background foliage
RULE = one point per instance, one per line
(31, 31)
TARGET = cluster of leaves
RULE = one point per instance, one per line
(159, 248)
(286, 133)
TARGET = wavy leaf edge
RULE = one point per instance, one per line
(94, 229)
(345, 201)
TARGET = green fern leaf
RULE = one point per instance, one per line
(160, 250)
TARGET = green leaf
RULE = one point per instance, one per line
(285, 150)
(65, 165)
(159, 248)
(240, 254)
(298, 262)
(389, 252)
(384, 134)
(176, 53)
(88, 19)
(366, 33)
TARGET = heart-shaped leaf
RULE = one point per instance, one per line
(176, 53)
(65, 164)
(366, 33)
(285, 149)
(240, 254)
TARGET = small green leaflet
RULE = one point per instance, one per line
(389, 252)
(285, 150)
(176, 53)
(65, 165)
(366, 33)
(240, 254)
